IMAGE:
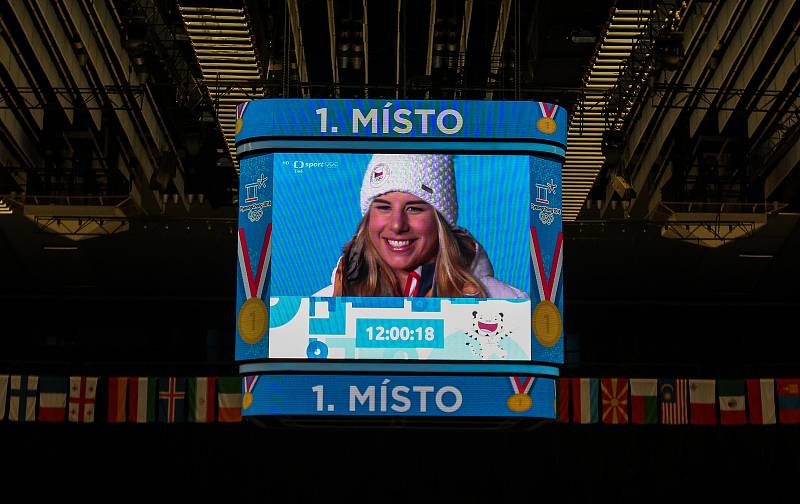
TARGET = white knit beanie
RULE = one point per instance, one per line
(430, 177)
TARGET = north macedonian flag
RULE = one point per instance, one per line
(614, 400)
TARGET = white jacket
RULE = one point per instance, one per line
(481, 269)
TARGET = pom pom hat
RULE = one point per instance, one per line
(430, 177)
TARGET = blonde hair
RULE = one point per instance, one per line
(362, 271)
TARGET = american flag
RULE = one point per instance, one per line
(672, 396)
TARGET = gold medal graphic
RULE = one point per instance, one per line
(247, 400)
(547, 323)
(253, 320)
(519, 403)
(546, 125)
(239, 124)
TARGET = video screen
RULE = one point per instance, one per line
(424, 256)
(387, 256)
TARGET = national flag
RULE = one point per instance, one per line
(703, 402)
(22, 399)
(3, 395)
(82, 395)
(761, 399)
(672, 394)
(584, 400)
(171, 399)
(789, 400)
(562, 400)
(644, 401)
(200, 395)
(141, 399)
(52, 398)
(229, 395)
(614, 400)
(117, 395)
(731, 402)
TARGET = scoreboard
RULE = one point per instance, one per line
(400, 257)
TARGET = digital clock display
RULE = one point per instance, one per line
(400, 333)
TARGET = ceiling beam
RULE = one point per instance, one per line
(332, 33)
(497, 47)
(397, 45)
(299, 49)
(365, 32)
(464, 40)
(431, 25)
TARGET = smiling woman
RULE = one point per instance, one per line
(408, 243)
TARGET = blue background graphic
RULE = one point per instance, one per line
(317, 211)
(482, 396)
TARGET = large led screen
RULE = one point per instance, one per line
(387, 256)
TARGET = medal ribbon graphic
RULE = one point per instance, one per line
(521, 385)
(240, 109)
(249, 385)
(547, 285)
(548, 110)
(254, 284)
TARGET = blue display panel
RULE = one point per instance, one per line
(420, 233)
(402, 395)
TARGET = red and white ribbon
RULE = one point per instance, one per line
(250, 383)
(548, 109)
(412, 282)
(547, 284)
(521, 384)
(254, 283)
(240, 109)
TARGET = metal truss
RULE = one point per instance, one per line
(81, 227)
(711, 98)
(109, 97)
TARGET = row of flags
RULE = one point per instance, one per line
(205, 399)
(756, 401)
(678, 401)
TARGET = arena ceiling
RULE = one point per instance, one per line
(182, 246)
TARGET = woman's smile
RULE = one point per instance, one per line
(403, 230)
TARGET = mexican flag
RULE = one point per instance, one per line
(229, 395)
(200, 398)
(761, 396)
(141, 399)
(644, 400)
(731, 402)
(703, 402)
